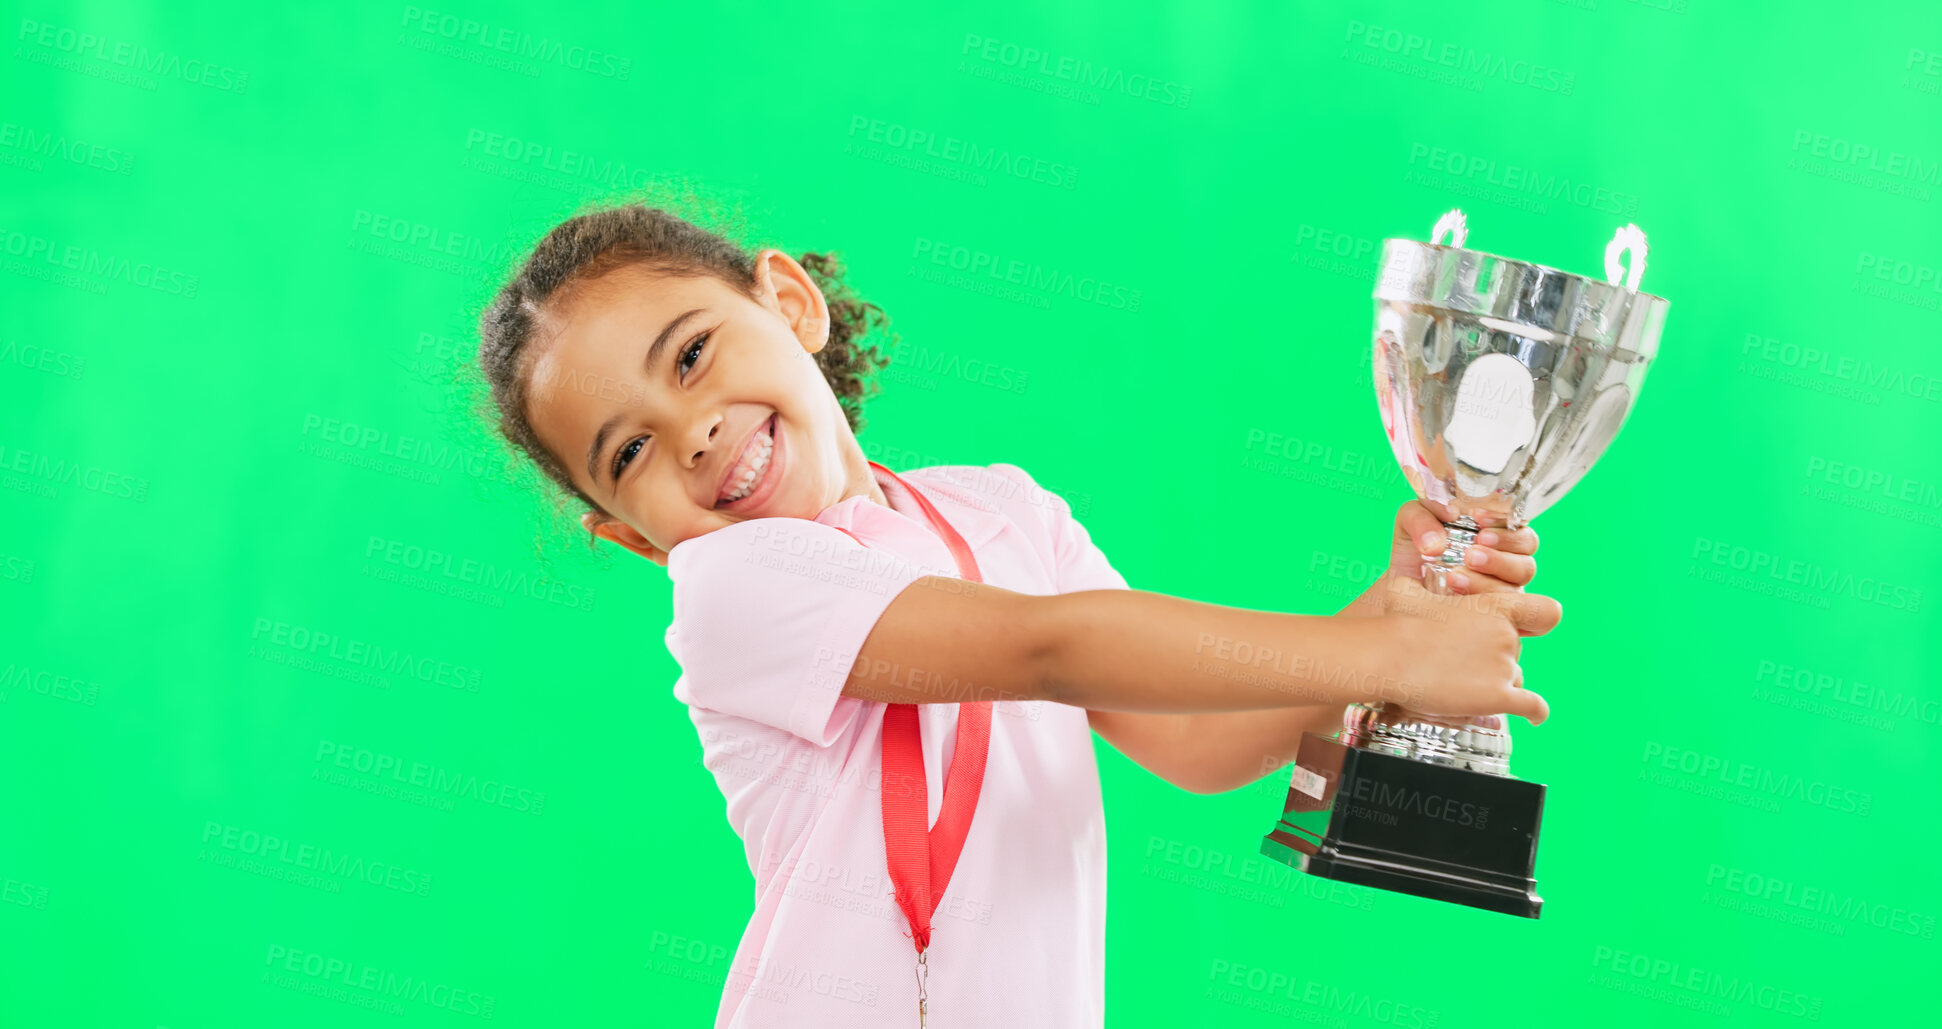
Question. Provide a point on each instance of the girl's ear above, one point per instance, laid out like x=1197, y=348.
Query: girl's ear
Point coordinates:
x=624, y=535
x=786, y=284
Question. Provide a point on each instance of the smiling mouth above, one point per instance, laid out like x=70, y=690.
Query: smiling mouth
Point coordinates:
x=750, y=466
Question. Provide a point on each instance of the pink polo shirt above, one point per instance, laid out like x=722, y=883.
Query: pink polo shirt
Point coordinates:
x=768, y=617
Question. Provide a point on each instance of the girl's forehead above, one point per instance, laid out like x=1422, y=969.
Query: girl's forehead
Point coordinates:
x=600, y=334
x=599, y=320
x=631, y=292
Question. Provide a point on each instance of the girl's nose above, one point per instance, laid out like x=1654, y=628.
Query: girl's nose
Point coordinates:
x=713, y=428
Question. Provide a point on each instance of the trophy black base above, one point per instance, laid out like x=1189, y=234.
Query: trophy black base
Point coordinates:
x=1375, y=819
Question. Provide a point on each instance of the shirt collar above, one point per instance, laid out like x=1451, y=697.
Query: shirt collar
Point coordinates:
x=903, y=525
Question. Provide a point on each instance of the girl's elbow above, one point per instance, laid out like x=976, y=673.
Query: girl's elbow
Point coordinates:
x=1046, y=651
x=1193, y=776
x=1204, y=784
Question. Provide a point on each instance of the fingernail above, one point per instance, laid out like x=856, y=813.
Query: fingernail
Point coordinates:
x=1475, y=557
x=1487, y=537
x=1459, y=580
x=1431, y=540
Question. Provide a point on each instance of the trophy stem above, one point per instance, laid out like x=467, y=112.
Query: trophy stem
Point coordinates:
x=1461, y=534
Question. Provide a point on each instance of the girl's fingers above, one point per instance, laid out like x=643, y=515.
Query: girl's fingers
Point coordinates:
x=1529, y=705
x=1510, y=541
x=1514, y=570
x=1415, y=523
x=1533, y=614
x=1470, y=582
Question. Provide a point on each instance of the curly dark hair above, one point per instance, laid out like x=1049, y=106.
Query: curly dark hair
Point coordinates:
x=598, y=241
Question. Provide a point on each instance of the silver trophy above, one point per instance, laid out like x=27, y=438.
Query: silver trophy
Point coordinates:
x=1500, y=383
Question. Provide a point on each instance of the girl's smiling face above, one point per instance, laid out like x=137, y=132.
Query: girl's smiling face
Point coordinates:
x=661, y=394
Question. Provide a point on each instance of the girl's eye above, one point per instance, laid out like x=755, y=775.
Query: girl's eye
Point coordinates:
x=626, y=453
x=689, y=355
x=695, y=348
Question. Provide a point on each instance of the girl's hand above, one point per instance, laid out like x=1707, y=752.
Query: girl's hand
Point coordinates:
x=1456, y=655
x=1500, y=559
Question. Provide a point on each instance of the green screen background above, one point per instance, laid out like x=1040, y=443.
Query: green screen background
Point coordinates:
x=230, y=423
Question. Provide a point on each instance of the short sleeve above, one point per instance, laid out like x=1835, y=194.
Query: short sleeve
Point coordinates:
x=769, y=615
x=1079, y=565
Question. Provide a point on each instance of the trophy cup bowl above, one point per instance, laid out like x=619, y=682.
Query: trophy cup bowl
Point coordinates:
x=1499, y=383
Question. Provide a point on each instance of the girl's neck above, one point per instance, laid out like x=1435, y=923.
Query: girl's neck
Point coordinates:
x=863, y=479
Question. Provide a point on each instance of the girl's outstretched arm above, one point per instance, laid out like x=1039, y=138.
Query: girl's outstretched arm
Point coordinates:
x=1132, y=650
x=1220, y=751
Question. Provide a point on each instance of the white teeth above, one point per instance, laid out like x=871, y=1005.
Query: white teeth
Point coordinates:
x=756, y=462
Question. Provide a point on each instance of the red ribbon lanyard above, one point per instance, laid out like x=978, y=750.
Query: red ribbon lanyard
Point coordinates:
x=921, y=862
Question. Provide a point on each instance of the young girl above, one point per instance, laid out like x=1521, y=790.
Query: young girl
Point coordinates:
x=895, y=675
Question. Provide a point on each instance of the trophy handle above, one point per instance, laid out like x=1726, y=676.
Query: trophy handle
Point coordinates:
x=1630, y=238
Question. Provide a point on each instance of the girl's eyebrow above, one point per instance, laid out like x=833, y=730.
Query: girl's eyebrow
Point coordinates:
x=647, y=367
